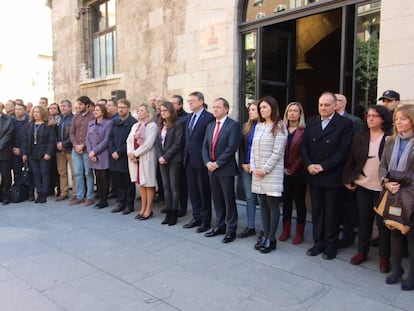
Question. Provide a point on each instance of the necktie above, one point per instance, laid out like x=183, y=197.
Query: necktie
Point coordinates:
x=192, y=122
x=213, y=144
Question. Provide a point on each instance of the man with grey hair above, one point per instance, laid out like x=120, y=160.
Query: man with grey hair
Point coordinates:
x=6, y=147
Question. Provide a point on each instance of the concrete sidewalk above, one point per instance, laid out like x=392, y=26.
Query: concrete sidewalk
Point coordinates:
x=59, y=257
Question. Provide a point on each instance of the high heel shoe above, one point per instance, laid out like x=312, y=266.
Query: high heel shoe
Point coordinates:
x=260, y=242
x=395, y=276
x=139, y=216
x=146, y=217
x=268, y=246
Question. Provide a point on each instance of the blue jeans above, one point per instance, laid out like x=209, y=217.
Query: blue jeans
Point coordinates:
x=251, y=199
x=82, y=171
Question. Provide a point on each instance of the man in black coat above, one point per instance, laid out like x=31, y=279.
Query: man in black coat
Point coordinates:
x=221, y=142
x=197, y=175
x=7, y=137
x=325, y=147
x=118, y=160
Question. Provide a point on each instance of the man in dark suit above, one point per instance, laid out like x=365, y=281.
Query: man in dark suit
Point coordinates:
x=325, y=147
x=349, y=214
x=197, y=175
x=220, y=144
x=7, y=136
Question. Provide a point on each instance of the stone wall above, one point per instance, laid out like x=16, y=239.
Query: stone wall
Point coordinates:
x=164, y=47
x=396, y=60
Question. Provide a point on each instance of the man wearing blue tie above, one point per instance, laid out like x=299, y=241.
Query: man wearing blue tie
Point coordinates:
x=197, y=176
x=221, y=142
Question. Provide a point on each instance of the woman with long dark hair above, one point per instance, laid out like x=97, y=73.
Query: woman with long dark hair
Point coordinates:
x=169, y=154
x=38, y=148
x=361, y=174
x=97, y=148
x=266, y=165
x=294, y=183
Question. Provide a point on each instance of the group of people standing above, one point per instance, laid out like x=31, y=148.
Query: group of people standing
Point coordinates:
x=346, y=164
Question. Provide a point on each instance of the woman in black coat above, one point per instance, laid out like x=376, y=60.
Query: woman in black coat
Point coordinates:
x=361, y=174
x=38, y=148
x=169, y=145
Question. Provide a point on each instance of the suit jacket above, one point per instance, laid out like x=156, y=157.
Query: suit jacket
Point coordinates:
x=117, y=143
x=172, y=149
x=46, y=141
x=194, y=139
x=64, y=137
x=356, y=122
x=6, y=137
x=225, y=149
x=328, y=147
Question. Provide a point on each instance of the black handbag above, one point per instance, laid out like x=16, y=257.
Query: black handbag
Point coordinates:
x=25, y=177
x=19, y=193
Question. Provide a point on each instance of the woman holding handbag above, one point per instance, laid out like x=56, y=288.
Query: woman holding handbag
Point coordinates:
x=361, y=174
x=398, y=156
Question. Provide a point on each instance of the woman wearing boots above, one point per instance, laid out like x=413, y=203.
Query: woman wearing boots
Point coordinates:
x=361, y=174
x=266, y=165
x=97, y=139
x=38, y=148
x=398, y=156
x=169, y=145
x=244, y=160
x=294, y=184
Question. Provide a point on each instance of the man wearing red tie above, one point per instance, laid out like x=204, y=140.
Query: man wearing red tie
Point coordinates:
x=220, y=144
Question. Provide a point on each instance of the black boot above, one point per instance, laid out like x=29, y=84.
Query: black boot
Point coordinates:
x=173, y=218
x=167, y=217
x=396, y=274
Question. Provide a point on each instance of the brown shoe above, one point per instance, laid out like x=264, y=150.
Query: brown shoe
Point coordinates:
x=77, y=201
x=88, y=202
x=61, y=198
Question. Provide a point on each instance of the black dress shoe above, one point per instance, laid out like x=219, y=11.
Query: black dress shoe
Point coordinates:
x=203, y=228
x=246, y=233
x=329, y=255
x=229, y=237
x=193, y=223
x=128, y=210
x=314, y=251
x=261, y=239
x=215, y=231
x=101, y=205
x=6, y=202
x=118, y=209
x=268, y=246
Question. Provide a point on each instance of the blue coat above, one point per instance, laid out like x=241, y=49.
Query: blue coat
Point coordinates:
x=117, y=143
x=97, y=138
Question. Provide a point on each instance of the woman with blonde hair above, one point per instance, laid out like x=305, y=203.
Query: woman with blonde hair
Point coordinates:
x=294, y=183
x=142, y=160
x=38, y=148
x=397, y=171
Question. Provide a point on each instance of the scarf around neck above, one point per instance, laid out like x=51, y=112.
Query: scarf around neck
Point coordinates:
x=400, y=163
x=139, y=133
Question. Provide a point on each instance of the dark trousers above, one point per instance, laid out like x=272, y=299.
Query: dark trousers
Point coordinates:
x=159, y=183
x=270, y=212
x=224, y=199
x=171, y=183
x=367, y=199
x=5, y=172
x=349, y=213
x=294, y=190
x=102, y=184
x=325, y=216
x=54, y=181
x=182, y=187
x=398, y=247
x=17, y=169
x=199, y=193
x=124, y=187
x=40, y=170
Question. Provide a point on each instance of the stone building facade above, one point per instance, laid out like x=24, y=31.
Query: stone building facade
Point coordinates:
x=166, y=47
